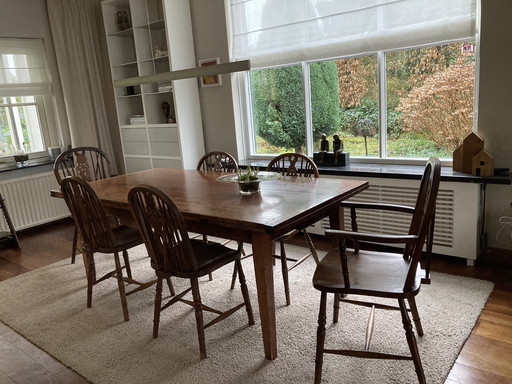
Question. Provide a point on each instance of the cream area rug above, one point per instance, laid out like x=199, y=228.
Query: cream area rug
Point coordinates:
x=48, y=307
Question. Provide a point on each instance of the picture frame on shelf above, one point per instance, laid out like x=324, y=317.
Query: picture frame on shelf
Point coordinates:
x=213, y=80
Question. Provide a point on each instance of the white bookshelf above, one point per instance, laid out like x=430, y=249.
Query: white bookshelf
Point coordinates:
x=156, y=39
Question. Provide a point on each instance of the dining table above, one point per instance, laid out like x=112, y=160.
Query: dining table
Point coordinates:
x=216, y=208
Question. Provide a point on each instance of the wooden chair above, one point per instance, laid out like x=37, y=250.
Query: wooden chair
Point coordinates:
x=296, y=165
x=98, y=235
x=380, y=274
x=217, y=161
x=173, y=253
x=86, y=163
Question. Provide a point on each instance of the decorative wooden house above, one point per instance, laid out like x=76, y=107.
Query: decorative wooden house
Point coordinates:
x=458, y=160
x=471, y=145
x=482, y=164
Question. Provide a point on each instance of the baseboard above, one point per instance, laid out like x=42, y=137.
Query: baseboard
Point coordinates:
x=497, y=255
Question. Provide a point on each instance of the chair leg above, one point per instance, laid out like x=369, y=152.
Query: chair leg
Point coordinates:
x=88, y=262
x=75, y=241
x=199, y=317
x=411, y=341
x=284, y=269
x=158, y=306
x=171, y=286
x=120, y=283
x=127, y=264
x=320, y=338
x=245, y=291
x=233, y=277
x=311, y=246
x=336, y=308
x=415, y=315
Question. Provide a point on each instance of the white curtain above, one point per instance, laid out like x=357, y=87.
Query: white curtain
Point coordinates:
x=82, y=56
x=271, y=32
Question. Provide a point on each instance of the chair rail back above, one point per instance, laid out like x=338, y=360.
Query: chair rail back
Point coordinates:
x=87, y=163
x=163, y=230
x=88, y=213
x=293, y=164
x=424, y=215
x=217, y=161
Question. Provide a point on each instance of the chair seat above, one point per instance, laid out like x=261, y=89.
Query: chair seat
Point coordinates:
x=209, y=257
x=371, y=273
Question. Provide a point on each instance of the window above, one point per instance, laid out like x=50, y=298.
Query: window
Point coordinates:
x=394, y=79
x=426, y=98
x=24, y=97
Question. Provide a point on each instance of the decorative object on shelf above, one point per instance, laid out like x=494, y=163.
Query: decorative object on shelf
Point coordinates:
x=164, y=86
x=126, y=20
x=211, y=80
x=166, y=109
x=324, y=147
x=337, y=158
x=137, y=119
x=482, y=164
x=21, y=159
x=471, y=157
x=159, y=52
x=119, y=19
x=249, y=179
x=122, y=20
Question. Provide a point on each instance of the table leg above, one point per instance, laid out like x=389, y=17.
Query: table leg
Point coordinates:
x=262, y=257
x=336, y=221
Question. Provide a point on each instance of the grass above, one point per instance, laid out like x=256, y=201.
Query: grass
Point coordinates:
x=406, y=146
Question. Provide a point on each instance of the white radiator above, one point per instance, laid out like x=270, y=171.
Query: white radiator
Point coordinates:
x=29, y=202
x=457, y=214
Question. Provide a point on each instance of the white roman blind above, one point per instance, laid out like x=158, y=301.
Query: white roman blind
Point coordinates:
x=22, y=67
x=272, y=32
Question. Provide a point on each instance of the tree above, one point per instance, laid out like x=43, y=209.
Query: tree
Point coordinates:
x=278, y=104
x=441, y=108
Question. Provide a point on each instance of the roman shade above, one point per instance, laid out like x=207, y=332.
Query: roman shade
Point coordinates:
x=22, y=67
x=273, y=32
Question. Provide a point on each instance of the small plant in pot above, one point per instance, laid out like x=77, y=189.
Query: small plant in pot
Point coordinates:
x=248, y=180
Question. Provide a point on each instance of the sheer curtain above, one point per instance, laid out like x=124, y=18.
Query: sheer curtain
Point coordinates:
x=271, y=32
x=81, y=56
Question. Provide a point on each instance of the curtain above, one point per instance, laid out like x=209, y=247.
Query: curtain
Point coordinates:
x=272, y=32
x=81, y=52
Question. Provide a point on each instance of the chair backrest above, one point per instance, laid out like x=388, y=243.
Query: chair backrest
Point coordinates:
x=217, y=162
x=89, y=215
x=163, y=229
x=423, y=216
x=86, y=163
x=293, y=164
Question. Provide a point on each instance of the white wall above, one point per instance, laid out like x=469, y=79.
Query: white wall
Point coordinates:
x=29, y=19
x=210, y=40
x=495, y=107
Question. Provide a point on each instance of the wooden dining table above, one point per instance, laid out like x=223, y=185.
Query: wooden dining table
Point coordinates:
x=218, y=209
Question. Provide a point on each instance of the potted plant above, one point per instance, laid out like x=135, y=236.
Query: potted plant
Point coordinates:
x=248, y=180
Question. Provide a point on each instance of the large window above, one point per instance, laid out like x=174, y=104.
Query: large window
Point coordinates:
x=425, y=106
x=394, y=79
x=24, y=93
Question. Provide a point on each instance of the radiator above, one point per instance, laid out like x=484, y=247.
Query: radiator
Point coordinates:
x=29, y=202
x=457, y=214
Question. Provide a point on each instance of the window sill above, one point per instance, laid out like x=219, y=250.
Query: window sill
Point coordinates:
x=395, y=171
x=31, y=163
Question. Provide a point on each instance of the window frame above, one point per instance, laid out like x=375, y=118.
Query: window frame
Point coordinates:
x=244, y=107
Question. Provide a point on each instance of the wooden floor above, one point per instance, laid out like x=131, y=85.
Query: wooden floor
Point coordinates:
x=485, y=358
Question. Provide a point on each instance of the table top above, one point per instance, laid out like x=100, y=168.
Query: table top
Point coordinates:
x=281, y=203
